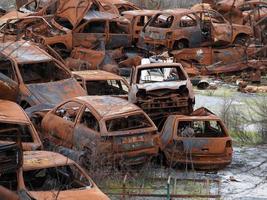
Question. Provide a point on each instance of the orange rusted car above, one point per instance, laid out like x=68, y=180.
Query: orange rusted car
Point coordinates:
x=181, y=28
x=161, y=89
x=14, y=124
x=199, y=140
x=98, y=82
x=105, y=129
x=138, y=19
x=30, y=76
x=49, y=175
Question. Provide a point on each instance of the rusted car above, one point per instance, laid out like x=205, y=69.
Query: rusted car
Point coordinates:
x=49, y=175
x=39, y=7
x=199, y=140
x=104, y=129
x=161, y=89
x=181, y=28
x=15, y=125
x=120, y=5
x=138, y=19
x=30, y=76
x=96, y=29
x=98, y=82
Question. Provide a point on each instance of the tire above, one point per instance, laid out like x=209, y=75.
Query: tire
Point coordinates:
x=181, y=44
x=242, y=40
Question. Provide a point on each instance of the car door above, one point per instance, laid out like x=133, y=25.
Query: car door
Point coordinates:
x=9, y=87
x=90, y=34
x=189, y=28
x=59, y=124
x=221, y=30
x=87, y=131
x=118, y=34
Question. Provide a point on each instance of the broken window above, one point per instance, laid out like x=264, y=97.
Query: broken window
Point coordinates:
x=211, y=128
x=63, y=22
x=161, y=74
x=118, y=27
x=10, y=132
x=68, y=111
x=95, y=27
x=106, y=87
x=188, y=21
x=9, y=181
x=89, y=120
x=162, y=21
x=6, y=69
x=129, y=122
x=142, y=20
x=55, y=178
x=42, y=72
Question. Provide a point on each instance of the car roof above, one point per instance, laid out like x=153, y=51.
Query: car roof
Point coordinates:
x=24, y=52
x=188, y=117
x=140, y=12
x=97, y=75
x=10, y=111
x=97, y=15
x=155, y=65
x=108, y=106
x=177, y=11
x=33, y=160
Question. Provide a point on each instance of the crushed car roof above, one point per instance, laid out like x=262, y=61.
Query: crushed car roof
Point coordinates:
x=97, y=75
x=140, y=12
x=24, y=52
x=177, y=11
x=155, y=65
x=10, y=111
x=107, y=106
x=33, y=160
x=92, y=15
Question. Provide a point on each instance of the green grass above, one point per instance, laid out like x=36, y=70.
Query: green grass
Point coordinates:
x=246, y=138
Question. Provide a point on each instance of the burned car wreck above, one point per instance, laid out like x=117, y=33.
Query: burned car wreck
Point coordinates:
x=15, y=125
x=161, y=89
x=30, y=76
x=98, y=82
x=199, y=140
x=45, y=175
x=102, y=129
x=181, y=28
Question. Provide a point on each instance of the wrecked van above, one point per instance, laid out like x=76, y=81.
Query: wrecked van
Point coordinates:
x=161, y=89
x=49, y=175
x=199, y=140
x=103, y=129
x=30, y=76
x=98, y=82
x=15, y=125
x=182, y=28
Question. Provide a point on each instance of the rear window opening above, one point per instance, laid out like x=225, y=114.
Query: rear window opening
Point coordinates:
x=106, y=87
x=56, y=178
x=162, y=21
x=160, y=74
x=42, y=73
x=10, y=132
x=126, y=123
x=210, y=128
x=64, y=22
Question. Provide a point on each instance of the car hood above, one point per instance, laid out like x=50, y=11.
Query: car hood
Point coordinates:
x=172, y=85
x=56, y=92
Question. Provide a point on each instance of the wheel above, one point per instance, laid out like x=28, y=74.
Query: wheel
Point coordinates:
x=181, y=44
x=242, y=40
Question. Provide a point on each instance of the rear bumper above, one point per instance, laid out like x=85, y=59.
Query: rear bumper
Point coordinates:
x=136, y=157
x=209, y=161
